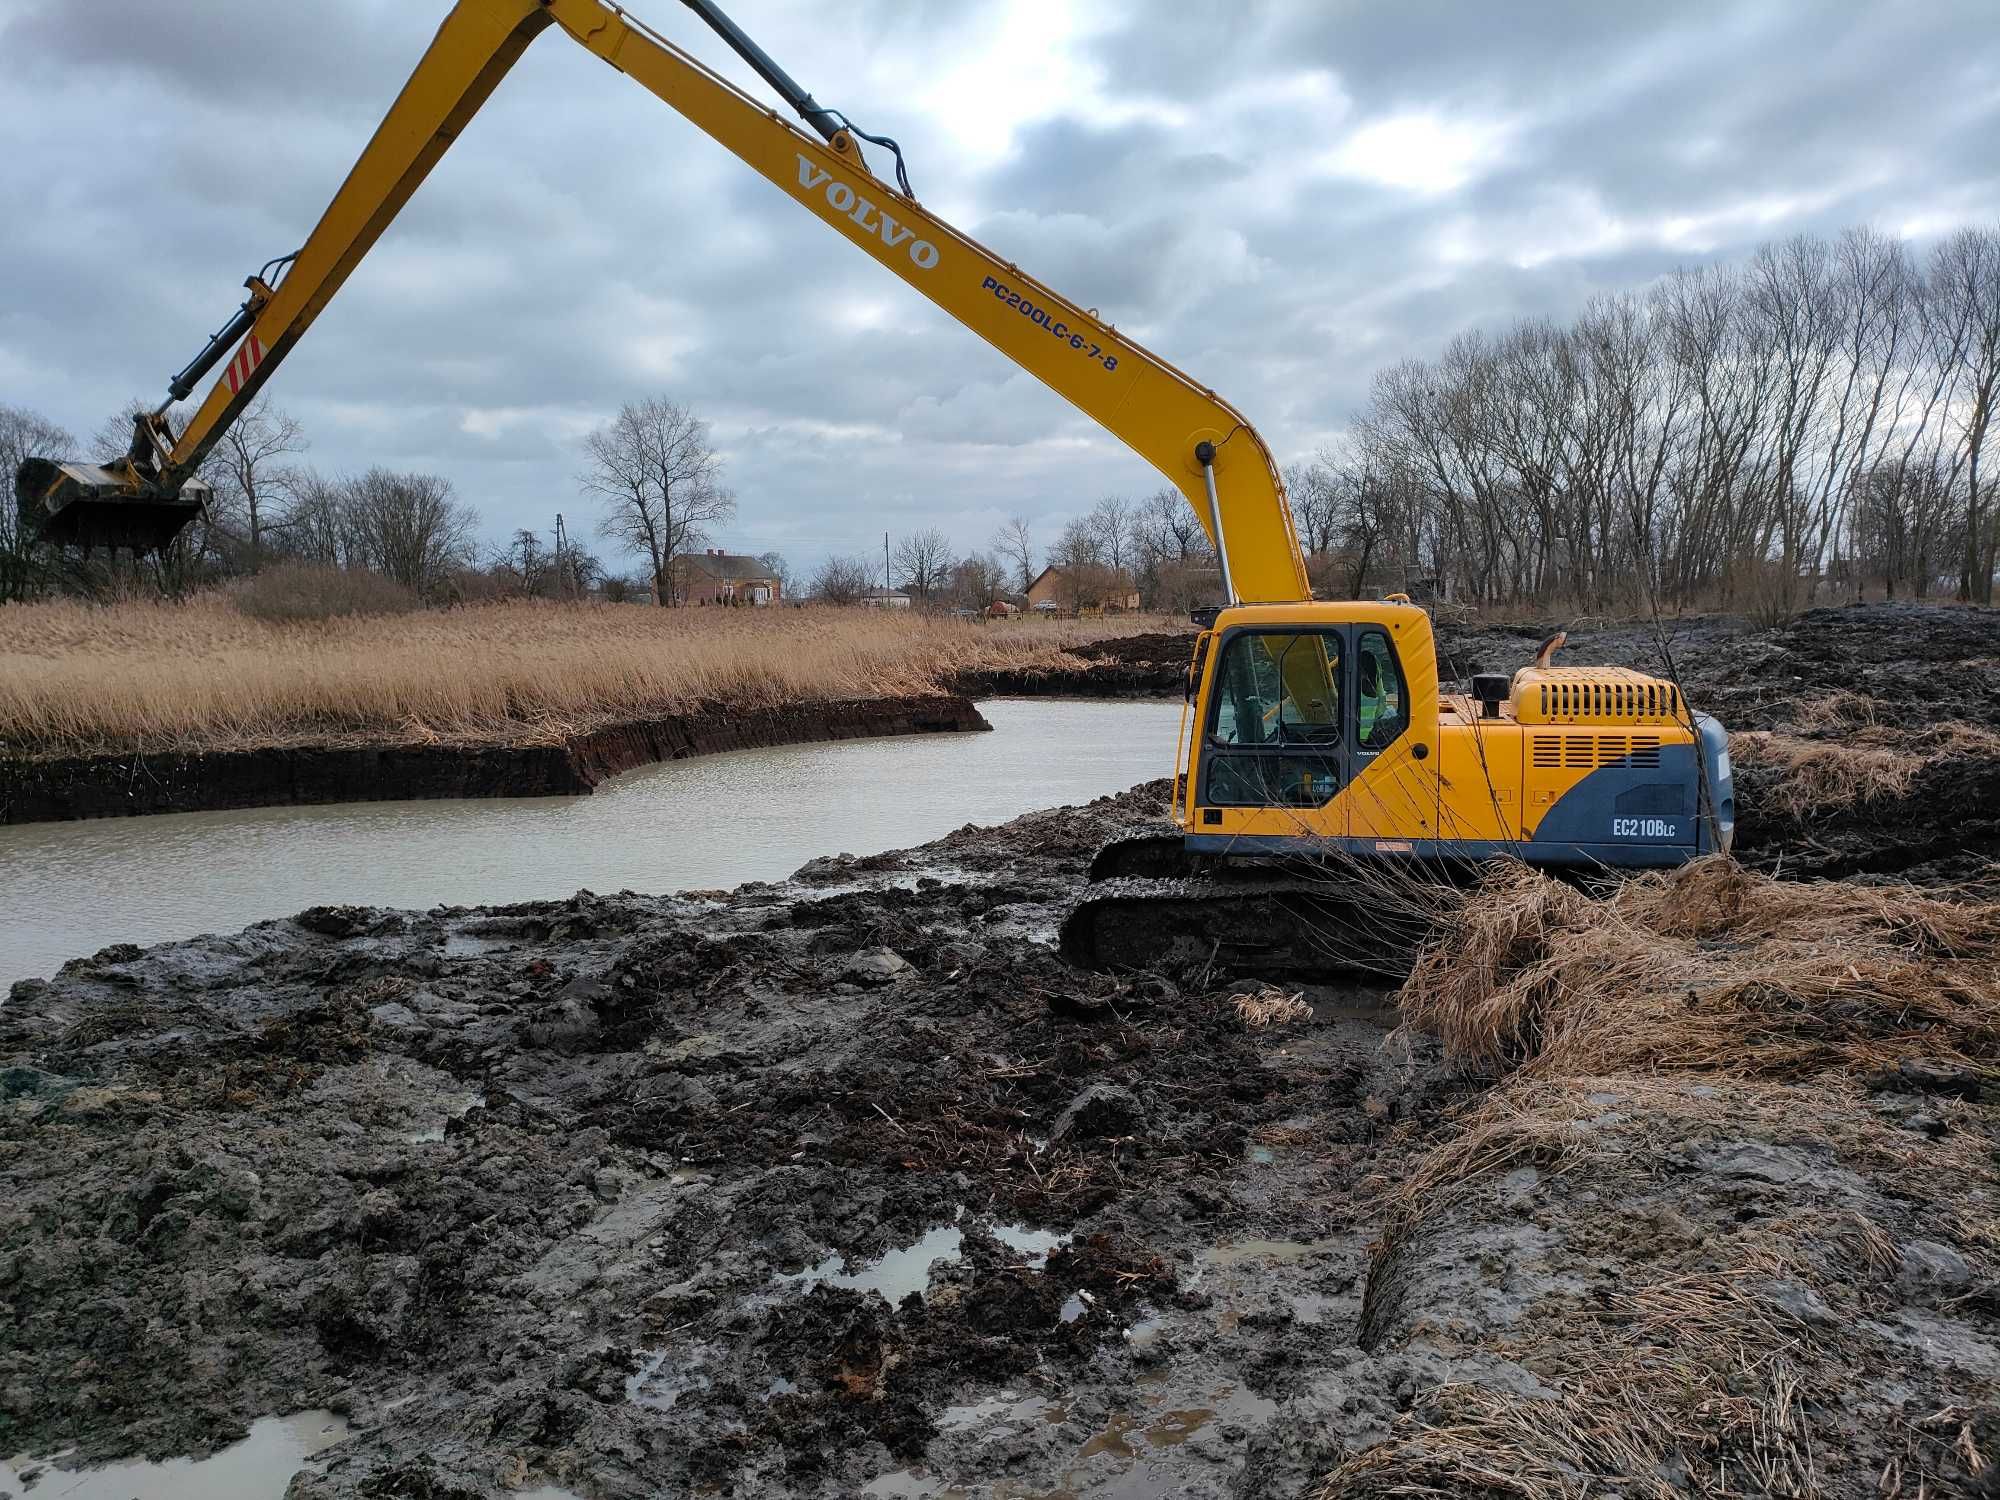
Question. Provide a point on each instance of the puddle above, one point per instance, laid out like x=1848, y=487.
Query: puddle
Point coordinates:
x=781, y=1387
x=895, y=1275
x=1074, y=1308
x=1008, y=1408
x=458, y=1112
x=1033, y=1243
x=1115, y=1439
x=1128, y=1436
x=1274, y=1252
x=1312, y=1307
x=658, y=1388
x=898, y=1273
x=913, y=1484
x=1146, y=1332
x=1262, y=1156
x=258, y=1468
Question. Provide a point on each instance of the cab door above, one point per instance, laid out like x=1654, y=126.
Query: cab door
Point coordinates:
x=1390, y=798
x=1274, y=748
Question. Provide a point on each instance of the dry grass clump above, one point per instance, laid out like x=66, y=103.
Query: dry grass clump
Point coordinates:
x=1261, y=1008
x=1820, y=775
x=1872, y=762
x=1697, y=1365
x=291, y=593
x=1841, y=709
x=1709, y=968
x=202, y=675
x=1683, y=1044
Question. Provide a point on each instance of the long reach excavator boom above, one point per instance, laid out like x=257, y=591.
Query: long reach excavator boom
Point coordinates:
x=1182, y=428
x=1315, y=731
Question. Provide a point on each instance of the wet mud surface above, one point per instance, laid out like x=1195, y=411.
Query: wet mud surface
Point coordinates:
x=849, y=1185
x=805, y=1189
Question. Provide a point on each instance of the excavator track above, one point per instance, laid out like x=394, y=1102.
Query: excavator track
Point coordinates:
x=1311, y=924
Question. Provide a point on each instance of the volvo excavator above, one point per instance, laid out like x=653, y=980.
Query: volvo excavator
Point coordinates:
x=1314, y=733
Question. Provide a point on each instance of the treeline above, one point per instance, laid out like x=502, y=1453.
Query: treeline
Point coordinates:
x=268, y=510
x=1808, y=425
x=1154, y=548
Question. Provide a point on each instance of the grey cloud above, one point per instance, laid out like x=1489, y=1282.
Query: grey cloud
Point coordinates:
x=581, y=245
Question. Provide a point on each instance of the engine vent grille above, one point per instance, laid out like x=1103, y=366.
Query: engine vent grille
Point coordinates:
x=1589, y=751
x=1627, y=700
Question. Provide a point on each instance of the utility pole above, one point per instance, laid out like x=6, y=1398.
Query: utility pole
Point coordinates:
x=885, y=569
x=562, y=548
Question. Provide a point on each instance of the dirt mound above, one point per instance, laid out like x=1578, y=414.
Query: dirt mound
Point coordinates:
x=1149, y=665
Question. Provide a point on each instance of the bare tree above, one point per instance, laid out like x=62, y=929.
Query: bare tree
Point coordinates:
x=842, y=580
x=923, y=562
x=317, y=522
x=1015, y=544
x=1079, y=546
x=408, y=526
x=24, y=434
x=530, y=563
x=1965, y=273
x=661, y=478
x=1111, y=523
x=977, y=581
x=1312, y=489
x=1170, y=531
x=249, y=461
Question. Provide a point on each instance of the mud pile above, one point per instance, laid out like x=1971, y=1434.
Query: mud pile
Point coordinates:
x=1151, y=665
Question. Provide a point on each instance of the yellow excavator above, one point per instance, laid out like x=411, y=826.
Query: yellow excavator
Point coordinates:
x=1313, y=730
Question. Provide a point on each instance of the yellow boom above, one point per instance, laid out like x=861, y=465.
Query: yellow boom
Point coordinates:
x=1168, y=418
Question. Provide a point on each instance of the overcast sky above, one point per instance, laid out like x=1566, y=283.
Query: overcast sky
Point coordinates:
x=1280, y=198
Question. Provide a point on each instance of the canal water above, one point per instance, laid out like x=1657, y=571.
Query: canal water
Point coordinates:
x=68, y=889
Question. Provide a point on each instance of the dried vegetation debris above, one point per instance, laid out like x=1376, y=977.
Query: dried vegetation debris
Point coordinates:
x=1730, y=1216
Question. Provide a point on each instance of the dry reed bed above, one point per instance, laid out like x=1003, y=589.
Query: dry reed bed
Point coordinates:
x=200, y=675
x=1678, y=1346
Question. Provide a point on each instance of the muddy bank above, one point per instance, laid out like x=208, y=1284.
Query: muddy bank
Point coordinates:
x=37, y=791
x=1153, y=665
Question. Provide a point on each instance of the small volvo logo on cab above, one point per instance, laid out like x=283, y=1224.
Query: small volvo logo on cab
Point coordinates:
x=868, y=215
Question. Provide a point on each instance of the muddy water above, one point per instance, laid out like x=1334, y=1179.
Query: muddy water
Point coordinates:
x=68, y=889
x=258, y=1468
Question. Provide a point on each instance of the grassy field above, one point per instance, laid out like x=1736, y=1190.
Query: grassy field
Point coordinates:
x=201, y=675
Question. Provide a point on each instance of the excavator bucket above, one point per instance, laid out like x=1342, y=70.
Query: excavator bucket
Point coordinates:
x=90, y=506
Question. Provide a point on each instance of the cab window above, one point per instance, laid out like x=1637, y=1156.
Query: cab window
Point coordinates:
x=1381, y=697
x=1278, y=690
x=1275, y=727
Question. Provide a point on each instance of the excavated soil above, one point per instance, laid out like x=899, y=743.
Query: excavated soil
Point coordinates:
x=850, y=1186
x=1152, y=665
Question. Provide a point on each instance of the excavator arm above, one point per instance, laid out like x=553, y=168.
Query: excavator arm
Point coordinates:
x=1197, y=440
